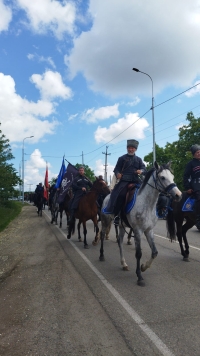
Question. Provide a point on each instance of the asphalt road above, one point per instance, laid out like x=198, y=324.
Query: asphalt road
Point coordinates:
x=161, y=318
x=70, y=303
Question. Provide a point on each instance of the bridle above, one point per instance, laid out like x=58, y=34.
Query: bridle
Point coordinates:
x=159, y=185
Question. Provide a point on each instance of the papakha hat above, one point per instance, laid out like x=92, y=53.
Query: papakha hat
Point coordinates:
x=132, y=143
x=194, y=148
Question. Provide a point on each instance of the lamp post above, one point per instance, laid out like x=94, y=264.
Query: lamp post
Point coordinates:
x=23, y=167
x=152, y=108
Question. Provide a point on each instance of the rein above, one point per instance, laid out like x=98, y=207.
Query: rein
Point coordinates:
x=165, y=191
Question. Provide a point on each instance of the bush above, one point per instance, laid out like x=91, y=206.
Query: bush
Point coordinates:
x=8, y=211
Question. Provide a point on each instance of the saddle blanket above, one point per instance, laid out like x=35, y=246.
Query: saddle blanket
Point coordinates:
x=128, y=207
x=188, y=205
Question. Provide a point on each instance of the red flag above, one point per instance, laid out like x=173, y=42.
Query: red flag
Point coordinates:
x=46, y=184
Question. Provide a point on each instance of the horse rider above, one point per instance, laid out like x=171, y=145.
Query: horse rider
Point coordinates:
x=80, y=185
x=52, y=191
x=39, y=189
x=191, y=179
x=127, y=170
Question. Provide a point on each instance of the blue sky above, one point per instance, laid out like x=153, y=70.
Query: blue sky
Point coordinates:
x=66, y=78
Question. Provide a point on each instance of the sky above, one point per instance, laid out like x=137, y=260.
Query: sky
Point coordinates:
x=66, y=78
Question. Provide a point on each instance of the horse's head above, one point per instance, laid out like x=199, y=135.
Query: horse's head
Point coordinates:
x=101, y=187
x=164, y=180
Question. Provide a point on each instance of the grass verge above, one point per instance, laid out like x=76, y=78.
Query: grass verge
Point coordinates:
x=8, y=211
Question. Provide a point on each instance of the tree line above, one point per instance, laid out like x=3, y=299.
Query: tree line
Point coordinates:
x=178, y=152
x=8, y=175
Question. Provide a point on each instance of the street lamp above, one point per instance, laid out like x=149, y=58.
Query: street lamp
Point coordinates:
x=23, y=167
x=152, y=108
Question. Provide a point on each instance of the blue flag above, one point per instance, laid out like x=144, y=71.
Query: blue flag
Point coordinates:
x=61, y=174
x=70, y=174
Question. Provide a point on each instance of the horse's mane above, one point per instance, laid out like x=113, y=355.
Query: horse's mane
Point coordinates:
x=149, y=173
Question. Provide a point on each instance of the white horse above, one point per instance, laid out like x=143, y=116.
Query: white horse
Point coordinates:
x=142, y=218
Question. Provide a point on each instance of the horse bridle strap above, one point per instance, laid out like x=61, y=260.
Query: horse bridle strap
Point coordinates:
x=165, y=190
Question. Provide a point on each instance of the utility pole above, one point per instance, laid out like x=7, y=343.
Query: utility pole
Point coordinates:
x=106, y=154
x=82, y=159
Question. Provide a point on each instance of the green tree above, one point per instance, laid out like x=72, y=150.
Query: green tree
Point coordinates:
x=88, y=172
x=178, y=152
x=8, y=175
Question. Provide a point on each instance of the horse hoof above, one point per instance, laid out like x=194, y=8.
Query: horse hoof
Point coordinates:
x=141, y=283
x=94, y=243
x=68, y=237
x=186, y=259
x=86, y=247
x=125, y=268
x=129, y=243
x=80, y=240
x=101, y=258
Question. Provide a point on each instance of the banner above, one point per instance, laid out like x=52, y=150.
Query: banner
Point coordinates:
x=70, y=174
x=61, y=174
x=46, y=184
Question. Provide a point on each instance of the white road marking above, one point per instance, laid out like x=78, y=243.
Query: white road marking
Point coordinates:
x=138, y=320
x=166, y=238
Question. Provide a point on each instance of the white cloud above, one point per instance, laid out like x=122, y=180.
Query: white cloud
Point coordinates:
x=193, y=91
x=20, y=117
x=138, y=34
x=48, y=60
x=103, y=134
x=72, y=117
x=50, y=15
x=134, y=102
x=34, y=170
x=6, y=16
x=103, y=113
x=50, y=85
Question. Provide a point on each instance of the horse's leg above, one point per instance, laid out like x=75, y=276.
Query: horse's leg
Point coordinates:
x=121, y=251
x=61, y=215
x=108, y=231
x=150, y=238
x=180, y=238
x=79, y=228
x=188, y=225
x=85, y=234
x=138, y=255
x=116, y=233
x=129, y=237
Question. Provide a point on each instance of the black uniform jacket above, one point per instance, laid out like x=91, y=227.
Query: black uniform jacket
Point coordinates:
x=78, y=183
x=191, y=178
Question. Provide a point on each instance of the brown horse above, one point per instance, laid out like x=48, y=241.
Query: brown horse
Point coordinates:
x=175, y=226
x=88, y=209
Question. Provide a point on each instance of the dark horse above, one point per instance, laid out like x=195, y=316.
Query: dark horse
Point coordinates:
x=88, y=209
x=39, y=202
x=175, y=226
x=64, y=206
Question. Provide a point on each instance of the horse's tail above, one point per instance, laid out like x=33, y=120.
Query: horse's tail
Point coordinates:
x=171, y=226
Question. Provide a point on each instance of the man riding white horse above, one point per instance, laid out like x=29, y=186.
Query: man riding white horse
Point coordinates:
x=127, y=169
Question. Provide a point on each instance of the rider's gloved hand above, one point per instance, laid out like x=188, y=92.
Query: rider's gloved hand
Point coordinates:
x=189, y=191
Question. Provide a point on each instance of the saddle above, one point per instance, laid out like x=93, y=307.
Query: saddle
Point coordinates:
x=130, y=193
